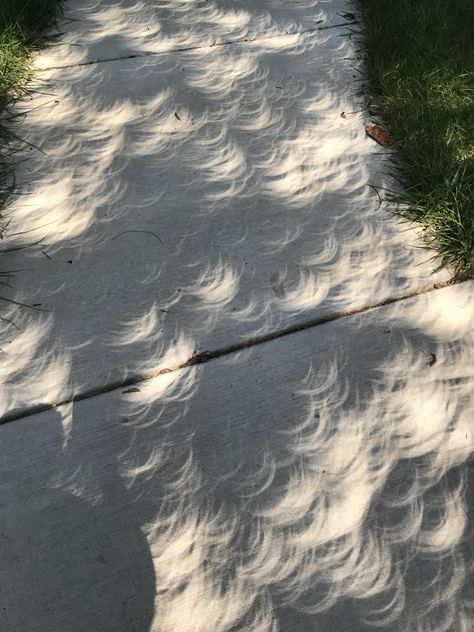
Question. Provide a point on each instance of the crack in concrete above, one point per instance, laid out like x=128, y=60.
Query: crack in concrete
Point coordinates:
x=208, y=355
x=185, y=49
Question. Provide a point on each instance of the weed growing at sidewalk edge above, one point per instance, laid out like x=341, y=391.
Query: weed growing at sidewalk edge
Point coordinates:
x=419, y=64
x=25, y=26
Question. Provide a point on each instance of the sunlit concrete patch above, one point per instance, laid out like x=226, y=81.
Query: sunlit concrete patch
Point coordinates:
x=322, y=481
x=192, y=201
x=96, y=30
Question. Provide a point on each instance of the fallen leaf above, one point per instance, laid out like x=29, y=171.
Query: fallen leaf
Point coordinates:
x=132, y=390
x=343, y=115
x=177, y=116
x=433, y=360
x=379, y=134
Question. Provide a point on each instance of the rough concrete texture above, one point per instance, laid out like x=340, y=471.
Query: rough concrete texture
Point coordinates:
x=105, y=29
x=191, y=201
x=315, y=482
x=207, y=185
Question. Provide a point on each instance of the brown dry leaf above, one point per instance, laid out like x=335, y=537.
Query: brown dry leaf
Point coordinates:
x=441, y=284
x=379, y=134
x=343, y=115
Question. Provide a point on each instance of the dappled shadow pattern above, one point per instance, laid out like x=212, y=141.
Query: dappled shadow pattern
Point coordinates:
x=104, y=29
x=319, y=481
x=316, y=482
x=207, y=197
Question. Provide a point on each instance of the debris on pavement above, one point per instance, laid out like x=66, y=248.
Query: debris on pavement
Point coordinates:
x=379, y=134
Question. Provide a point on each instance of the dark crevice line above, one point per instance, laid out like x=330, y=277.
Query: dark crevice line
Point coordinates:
x=207, y=356
x=185, y=49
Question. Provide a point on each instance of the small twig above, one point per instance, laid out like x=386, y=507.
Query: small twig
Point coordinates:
x=10, y=300
x=381, y=200
x=148, y=232
x=27, y=143
x=10, y=322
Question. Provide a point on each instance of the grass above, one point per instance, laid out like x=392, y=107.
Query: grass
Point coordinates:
x=419, y=60
x=23, y=28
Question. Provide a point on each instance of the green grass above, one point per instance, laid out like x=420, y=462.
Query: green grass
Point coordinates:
x=23, y=24
x=419, y=60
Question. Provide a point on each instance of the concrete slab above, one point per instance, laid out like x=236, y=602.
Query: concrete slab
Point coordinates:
x=107, y=29
x=190, y=202
x=317, y=482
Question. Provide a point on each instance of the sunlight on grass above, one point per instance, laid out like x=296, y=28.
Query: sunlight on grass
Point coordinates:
x=420, y=64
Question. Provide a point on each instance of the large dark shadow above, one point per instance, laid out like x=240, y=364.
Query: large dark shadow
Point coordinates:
x=68, y=562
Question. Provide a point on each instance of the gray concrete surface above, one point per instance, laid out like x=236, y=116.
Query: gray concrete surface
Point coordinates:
x=315, y=482
x=199, y=180
x=194, y=200
x=106, y=29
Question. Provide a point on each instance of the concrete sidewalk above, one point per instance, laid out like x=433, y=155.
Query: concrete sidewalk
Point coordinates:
x=203, y=194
